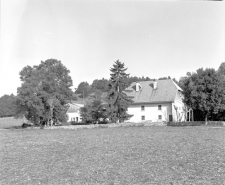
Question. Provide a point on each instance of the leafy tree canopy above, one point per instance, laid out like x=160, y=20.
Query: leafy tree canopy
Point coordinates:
x=100, y=85
x=221, y=71
x=7, y=105
x=131, y=79
x=203, y=92
x=94, y=112
x=84, y=89
x=44, y=92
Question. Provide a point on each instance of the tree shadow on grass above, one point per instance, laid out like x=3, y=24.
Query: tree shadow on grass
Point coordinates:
x=23, y=126
x=13, y=127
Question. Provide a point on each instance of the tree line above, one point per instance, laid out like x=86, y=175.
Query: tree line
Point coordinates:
x=84, y=89
x=7, y=105
x=46, y=91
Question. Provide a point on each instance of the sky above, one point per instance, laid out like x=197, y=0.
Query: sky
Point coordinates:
x=152, y=38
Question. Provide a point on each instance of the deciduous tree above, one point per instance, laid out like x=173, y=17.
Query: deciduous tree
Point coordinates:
x=94, y=112
x=100, y=85
x=44, y=92
x=7, y=105
x=84, y=89
x=204, y=93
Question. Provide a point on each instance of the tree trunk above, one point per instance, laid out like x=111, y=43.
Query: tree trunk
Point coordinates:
x=206, y=122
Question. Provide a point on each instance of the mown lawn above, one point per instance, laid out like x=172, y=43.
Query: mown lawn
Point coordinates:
x=10, y=122
x=126, y=155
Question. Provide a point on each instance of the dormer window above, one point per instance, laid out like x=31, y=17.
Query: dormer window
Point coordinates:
x=155, y=85
x=138, y=87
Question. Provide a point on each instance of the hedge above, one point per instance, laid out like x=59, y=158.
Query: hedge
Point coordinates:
x=197, y=123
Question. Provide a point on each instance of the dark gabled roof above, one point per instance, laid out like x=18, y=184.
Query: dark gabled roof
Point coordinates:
x=165, y=92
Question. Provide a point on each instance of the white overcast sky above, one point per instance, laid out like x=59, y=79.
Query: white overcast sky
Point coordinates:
x=152, y=38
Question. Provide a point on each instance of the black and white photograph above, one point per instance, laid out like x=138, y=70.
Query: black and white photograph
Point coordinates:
x=115, y=92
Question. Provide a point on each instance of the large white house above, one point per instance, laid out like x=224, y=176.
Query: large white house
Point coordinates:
x=155, y=101
x=73, y=112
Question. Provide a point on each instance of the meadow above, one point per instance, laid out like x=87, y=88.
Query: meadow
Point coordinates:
x=122, y=155
x=10, y=122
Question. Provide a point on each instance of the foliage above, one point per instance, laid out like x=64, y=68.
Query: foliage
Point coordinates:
x=103, y=83
x=164, y=78
x=84, y=89
x=131, y=79
x=221, y=73
x=221, y=70
x=7, y=105
x=94, y=112
x=117, y=99
x=100, y=85
x=204, y=93
x=44, y=92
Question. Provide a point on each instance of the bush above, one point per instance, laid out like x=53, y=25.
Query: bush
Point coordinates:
x=196, y=123
x=25, y=125
x=216, y=123
x=78, y=123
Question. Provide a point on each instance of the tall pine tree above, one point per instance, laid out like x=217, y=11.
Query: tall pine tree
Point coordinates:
x=117, y=99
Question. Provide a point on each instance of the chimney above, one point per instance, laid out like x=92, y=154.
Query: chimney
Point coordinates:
x=155, y=85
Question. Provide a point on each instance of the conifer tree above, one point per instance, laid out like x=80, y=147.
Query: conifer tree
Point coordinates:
x=117, y=99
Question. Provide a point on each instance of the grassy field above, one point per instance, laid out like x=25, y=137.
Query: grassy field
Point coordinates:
x=126, y=155
x=10, y=122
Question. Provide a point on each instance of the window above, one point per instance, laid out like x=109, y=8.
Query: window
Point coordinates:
x=142, y=108
x=159, y=117
x=159, y=107
x=170, y=118
x=142, y=117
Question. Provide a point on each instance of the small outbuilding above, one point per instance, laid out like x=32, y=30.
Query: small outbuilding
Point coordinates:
x=73, y=112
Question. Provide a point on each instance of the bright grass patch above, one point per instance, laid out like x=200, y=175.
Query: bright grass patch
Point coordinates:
x=10, y=122
x=123, y=155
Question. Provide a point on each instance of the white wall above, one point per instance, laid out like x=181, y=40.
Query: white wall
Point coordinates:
x=178, y=115
x=73, y=116
x=151, y=112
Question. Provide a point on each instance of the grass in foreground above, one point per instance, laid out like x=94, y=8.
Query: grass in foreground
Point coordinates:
x=10, y=122
x=130, y=155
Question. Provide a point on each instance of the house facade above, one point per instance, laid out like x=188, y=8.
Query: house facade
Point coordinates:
x=73, y=112
x=155, y=101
